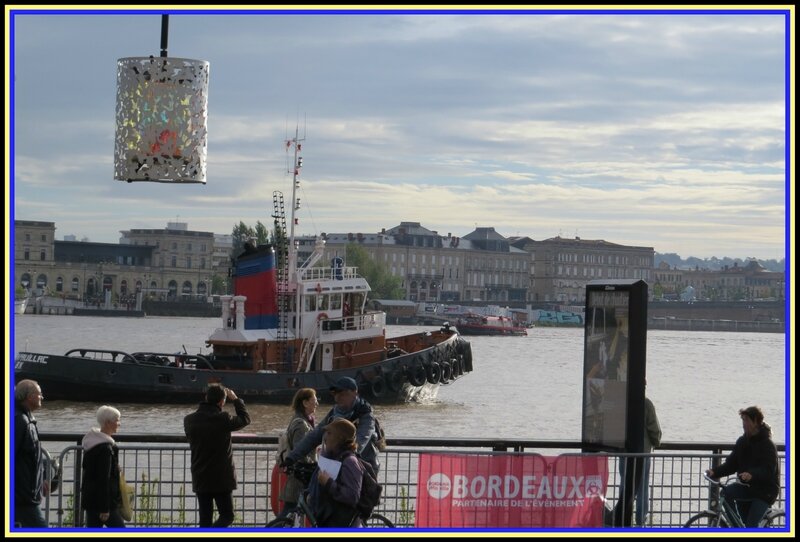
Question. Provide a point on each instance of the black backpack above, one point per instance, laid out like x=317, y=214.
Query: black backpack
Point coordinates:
x=371, y=490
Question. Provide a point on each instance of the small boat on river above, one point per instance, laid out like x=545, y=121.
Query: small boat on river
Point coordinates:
x=477, y=324
x=288, y=325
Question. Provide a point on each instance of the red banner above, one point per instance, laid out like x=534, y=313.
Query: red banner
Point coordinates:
x=509, y=490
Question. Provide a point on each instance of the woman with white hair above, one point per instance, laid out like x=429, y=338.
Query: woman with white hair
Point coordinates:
x=100, y=495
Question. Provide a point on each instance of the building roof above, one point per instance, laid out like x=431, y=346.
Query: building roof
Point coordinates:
x=484, y=234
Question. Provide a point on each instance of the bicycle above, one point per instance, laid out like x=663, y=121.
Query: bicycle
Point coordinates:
x=302, y=516
x=722, y=514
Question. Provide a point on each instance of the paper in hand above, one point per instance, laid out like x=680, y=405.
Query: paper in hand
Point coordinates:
x=330, y=466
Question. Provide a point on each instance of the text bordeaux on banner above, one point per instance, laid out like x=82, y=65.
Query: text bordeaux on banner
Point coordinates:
x=511, y=490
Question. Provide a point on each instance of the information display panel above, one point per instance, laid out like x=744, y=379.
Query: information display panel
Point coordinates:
x=614, y=365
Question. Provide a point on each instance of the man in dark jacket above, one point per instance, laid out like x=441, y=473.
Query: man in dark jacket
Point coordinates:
x=213, y=472
x=352, y=408
x=30, y=480
x=755, y=459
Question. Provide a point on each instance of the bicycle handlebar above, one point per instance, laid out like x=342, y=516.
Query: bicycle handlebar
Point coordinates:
x=719, y=482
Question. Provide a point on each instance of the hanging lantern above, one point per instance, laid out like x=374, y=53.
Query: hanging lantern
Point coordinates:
x=161, y=120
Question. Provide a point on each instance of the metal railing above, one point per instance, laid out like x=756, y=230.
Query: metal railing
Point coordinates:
x=158, y=466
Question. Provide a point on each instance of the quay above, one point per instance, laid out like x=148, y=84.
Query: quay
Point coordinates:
x=701, y=324
x=159, y=468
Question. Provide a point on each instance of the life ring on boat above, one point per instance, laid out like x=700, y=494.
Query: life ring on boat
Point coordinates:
x=417, y=376
x=377, y=387
x=322, y=316
x=347, y=349
x=447, y=372
x=319, y=288
x=396, y=379
x=434, y=373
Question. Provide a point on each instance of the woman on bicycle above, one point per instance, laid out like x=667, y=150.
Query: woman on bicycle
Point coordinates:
x=333, y=499
x=755, y=459
x=304, y=406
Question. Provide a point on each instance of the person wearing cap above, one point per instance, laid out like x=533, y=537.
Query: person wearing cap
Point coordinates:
x=351, y=407
x=208, y=431
x=333, y=499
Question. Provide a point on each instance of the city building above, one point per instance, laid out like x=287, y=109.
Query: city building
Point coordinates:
x=480, y=267
x=168, y=263
x=747, y=282
x=561, y=267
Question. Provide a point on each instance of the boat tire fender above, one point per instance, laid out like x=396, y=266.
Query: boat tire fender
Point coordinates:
x=396, y=379
x=417, y=376
x=377, y=387
x=447, y=372
x=434, y=373
x=455, y=363
x=467, y=360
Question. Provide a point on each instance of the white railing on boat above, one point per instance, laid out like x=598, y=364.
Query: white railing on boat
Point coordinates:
x=328, y=273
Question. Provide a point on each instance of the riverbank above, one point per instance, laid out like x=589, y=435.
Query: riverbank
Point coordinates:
x=671, y=323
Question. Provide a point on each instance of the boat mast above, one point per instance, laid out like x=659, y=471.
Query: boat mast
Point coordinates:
x=295, y=142
x=298, y=163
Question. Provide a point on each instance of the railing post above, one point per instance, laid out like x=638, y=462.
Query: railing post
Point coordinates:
x=77, y=516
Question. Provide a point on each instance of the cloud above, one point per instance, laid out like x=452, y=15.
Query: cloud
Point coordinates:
x=649, y=129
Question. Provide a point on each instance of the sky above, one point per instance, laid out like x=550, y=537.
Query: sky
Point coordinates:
x=652, y=129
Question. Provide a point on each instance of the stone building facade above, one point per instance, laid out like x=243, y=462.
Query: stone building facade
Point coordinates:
x=481, y=267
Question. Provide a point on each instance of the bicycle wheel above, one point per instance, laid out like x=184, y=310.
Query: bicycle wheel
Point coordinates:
x=775, y=519
x=706, y=519
x=281, y=523
x=377, y=521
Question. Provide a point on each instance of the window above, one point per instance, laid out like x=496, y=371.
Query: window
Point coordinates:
x=42, y=254
x=75, y=284
x=44, y=238
x=59, y=284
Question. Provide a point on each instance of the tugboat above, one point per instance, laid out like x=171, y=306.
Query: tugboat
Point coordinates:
x=289, y=325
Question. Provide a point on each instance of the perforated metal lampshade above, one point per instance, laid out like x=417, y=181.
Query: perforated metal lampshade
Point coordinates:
x=161, y=120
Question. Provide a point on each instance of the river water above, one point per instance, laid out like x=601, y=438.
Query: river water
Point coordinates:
x=521, y=387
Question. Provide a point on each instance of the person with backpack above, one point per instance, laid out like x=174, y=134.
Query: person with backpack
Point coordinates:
x=333, y=496
x=304, y=406
x=351, y=407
